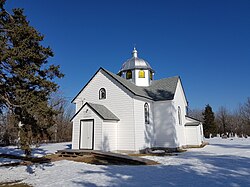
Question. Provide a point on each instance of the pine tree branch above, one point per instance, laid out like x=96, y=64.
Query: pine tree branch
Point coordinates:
x=6, y=30
x=7, y=101
x=4, y=11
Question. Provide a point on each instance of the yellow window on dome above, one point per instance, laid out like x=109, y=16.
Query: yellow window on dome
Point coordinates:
x=151, y=75
x=141, y=74
x=129, y=74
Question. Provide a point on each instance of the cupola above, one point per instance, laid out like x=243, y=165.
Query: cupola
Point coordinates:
x=137, y=70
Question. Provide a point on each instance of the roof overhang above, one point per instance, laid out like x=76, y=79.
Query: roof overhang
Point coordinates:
x=100, y=110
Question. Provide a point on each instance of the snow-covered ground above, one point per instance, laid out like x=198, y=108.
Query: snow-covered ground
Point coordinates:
x=224, y=162
x=44, y=149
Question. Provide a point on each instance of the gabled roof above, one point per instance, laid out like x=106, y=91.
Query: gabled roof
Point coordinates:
x=192, y=118
x=192, y=122
x=100, y=110
x=105, y=113
x=159, y=90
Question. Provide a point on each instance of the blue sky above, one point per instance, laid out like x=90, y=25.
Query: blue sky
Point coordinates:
x=205, y=42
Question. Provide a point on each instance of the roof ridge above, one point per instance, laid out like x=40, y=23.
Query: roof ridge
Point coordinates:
x=176, y=76
x=152, y=92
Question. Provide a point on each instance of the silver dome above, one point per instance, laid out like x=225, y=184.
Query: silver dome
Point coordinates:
x=135, y=63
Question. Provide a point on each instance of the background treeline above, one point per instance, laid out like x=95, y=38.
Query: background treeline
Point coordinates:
x=224, y=121
x=60, y=132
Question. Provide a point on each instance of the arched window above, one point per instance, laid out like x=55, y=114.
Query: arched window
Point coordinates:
x=129, y=74
x=179, y=115
x=141, y=74
x=151, y=75
x=102, y=93
x=146, y=113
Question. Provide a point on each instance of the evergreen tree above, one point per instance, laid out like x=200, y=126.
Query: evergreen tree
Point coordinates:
x=26, y=79
x=209, y=125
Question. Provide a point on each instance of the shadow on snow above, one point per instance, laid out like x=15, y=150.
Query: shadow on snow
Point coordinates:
x=214, y=171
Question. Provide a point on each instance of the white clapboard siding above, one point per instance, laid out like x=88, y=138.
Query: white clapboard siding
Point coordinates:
x=118, y=101
x=192, y=137
x=83, y=115
x=144, y=133
x=109, y=136
x=164, y=122
x=196, y=135
x=179, y=100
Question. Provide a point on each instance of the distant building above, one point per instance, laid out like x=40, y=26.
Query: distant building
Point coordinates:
x=132, y=111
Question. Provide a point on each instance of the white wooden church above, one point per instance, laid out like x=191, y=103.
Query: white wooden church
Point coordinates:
x=130, y=111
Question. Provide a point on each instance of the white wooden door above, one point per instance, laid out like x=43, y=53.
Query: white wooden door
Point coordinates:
x=86, y=137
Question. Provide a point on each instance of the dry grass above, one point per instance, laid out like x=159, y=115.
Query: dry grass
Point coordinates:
x=24, y=160
x=14, y=184
x=102, y=159
x=153, y=154
x=89, y=158
x=85, y=158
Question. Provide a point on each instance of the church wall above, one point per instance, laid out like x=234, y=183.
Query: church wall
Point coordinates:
x=179, y=100
x=83, y=115
x=109, y=136
x=191, y=135
x=117, y=101
x=196, y=136
x=144, y=133
x=164, y=123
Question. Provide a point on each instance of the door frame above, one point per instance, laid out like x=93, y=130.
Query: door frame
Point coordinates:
x=80, y=133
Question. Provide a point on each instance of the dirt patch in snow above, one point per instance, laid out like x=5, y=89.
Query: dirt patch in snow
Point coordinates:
x=91, y=159
x=24, y=160
x=14, y=184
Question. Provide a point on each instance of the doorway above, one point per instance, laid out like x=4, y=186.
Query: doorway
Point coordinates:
x=87, y=134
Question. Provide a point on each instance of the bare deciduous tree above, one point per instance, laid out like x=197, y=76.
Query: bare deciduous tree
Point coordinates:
x=245, y=116
x=62, y=129
x=223, y=120
x=196, y=113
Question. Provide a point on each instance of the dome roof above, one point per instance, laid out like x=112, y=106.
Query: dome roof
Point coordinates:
x=135, y=63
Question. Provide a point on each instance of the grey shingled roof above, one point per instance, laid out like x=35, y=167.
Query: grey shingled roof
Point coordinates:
x=192, y=123
x=105, y=113
x=100, y=110
x=159, y=90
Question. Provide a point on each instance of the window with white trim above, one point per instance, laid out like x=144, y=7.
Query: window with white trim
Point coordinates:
x=179, y=115
x=146, y=113
x=102, y=93
x=129, y=74
x=141, y=74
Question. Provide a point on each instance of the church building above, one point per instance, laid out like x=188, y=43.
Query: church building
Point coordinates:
x=130, y=111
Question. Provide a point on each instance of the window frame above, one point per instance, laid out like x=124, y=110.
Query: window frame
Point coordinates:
x=179, y=115
x=146, y=113
x=151, y=75
x=101, y=92
x=141, y=73
x=129, y=74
